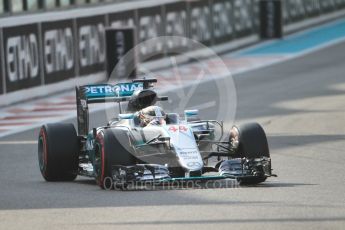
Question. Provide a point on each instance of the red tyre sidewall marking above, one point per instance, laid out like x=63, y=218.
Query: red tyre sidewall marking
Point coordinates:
x=45, y=154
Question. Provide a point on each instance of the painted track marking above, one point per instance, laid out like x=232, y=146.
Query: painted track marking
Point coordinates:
x=18, y=142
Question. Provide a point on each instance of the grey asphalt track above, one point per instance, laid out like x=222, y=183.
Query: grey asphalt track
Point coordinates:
x=301, y=105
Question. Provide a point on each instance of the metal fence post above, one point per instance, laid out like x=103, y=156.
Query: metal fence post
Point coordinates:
x=271, y=25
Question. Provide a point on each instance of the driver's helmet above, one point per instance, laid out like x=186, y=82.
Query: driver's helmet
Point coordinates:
x=152, y=115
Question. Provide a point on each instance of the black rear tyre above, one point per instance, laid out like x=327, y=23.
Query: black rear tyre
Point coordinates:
x=112, y=148
x=58, y=152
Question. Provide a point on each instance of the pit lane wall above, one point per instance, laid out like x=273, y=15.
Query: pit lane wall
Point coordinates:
x=48, y=52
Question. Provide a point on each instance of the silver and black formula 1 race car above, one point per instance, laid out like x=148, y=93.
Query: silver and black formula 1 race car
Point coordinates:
x=123, y=151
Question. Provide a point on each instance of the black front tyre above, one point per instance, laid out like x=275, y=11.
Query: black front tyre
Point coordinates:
x=58, y=152
x=252, y=144
x=252, y=141
x=251, y=181
x=112, y=147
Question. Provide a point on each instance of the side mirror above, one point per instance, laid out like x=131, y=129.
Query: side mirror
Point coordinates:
x=163, y=139
x=163, y=98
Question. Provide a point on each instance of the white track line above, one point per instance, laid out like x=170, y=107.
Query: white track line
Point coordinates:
x=18, y=142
